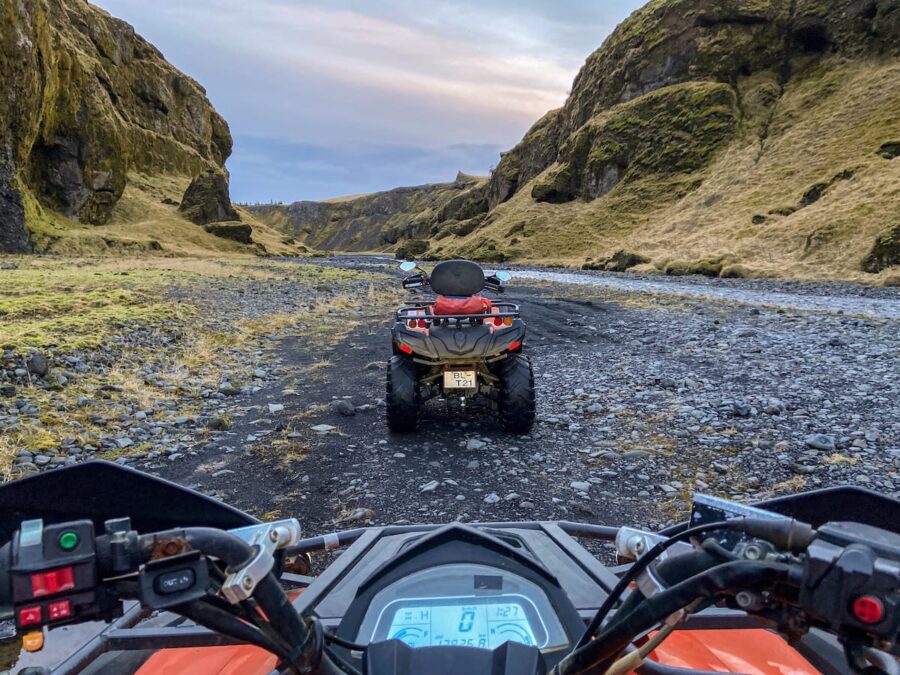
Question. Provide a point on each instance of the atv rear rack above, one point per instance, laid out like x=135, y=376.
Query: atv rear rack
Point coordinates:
x=507, y=309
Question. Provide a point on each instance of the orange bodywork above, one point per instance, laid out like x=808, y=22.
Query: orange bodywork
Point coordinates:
x=752, y=652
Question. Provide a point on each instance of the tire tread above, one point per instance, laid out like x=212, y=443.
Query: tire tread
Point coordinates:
x=403, y=397
x=516, y=402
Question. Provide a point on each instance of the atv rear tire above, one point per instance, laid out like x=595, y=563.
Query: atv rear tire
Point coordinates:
x=404, y=400
x=515, y=404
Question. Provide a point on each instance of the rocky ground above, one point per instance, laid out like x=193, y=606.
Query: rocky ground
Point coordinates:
x=645, y=395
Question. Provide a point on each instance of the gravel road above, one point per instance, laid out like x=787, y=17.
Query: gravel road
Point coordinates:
x=648, y=389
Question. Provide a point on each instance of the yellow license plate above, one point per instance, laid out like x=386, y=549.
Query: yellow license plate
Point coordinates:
x=459, y=379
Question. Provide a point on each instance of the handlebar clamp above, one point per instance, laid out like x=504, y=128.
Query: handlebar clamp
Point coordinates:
x=266, y=539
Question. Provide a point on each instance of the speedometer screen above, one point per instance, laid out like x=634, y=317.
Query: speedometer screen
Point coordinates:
x=462, y=622
x=462, y=605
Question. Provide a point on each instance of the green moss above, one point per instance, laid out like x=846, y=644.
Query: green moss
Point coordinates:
x=411, y=248
x=89, y=103
x=673, y=130
x=620, y=261
x=555, y=187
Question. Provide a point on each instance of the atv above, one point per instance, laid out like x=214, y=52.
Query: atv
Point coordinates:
x=458, y=346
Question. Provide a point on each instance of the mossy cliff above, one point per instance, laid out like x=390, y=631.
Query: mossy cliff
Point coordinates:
x=88, y=104
x=377, y=221
x=764, y=133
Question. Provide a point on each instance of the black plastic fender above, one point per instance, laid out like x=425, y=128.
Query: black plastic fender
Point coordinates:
x=450, y=342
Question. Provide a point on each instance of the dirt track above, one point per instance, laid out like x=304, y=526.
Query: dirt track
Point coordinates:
x=644, y=396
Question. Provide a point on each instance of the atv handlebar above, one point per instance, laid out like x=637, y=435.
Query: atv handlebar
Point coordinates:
x=492, y=283
x=843, y=578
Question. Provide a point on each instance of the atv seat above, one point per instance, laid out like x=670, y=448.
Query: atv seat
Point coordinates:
x=451, y=305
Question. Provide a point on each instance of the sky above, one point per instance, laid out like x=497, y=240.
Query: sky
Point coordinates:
x=336, y=97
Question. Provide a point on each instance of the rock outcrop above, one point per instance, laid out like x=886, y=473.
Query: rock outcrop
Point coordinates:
x=208, y=199
x=377, y=221
x=239, y=232
x=86, y=103
x=885, y=252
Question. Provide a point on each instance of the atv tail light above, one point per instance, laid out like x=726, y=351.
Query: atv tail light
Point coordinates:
x=423, y=323
x=411, y=323
x=507, y=321
x=406, y=349
x=514, y=346
x=498, y=321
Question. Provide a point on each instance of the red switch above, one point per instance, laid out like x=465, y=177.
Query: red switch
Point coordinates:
x=29, y=615
x=868, y=609
x=59, y=610
x=51, y=583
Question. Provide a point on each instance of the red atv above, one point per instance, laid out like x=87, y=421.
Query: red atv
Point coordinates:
x=191, y=585
x=457, y=346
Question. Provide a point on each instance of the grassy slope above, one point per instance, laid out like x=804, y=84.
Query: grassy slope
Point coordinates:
x=370, y=222
x=832, y=119
x=61, y=306
x=142, y=223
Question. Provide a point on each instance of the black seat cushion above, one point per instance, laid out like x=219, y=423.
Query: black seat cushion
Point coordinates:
x=457, y=277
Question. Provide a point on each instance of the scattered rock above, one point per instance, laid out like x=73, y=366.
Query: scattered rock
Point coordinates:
x=430, y=486
x=239, y=232
x=38, y=364
x=219, y=423
x=344, y=408
x=358, y=515
x=820, y=442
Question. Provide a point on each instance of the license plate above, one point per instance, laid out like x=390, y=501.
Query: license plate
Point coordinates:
x=459, y=379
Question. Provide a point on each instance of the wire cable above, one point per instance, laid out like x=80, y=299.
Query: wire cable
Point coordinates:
x=598, y=655
x=639, y=566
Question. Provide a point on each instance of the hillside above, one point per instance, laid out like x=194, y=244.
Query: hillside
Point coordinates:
x=377, y=221
x=99, y=136
x=742, y=137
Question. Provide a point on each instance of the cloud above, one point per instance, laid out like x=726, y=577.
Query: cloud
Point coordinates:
x=394, y=73
x=265, y=169
x=294, y=44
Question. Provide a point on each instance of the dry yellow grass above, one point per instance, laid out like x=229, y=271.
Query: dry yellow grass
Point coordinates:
x=830, y=120
x=7, y=456
x=143, y=224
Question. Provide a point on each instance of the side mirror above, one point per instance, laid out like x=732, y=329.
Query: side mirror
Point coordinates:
x=504, y=276
x=408, y=266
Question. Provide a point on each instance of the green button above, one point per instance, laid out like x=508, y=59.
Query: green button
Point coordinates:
x=68, y=540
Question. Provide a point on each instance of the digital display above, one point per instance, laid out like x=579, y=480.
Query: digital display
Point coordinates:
x=453, y=622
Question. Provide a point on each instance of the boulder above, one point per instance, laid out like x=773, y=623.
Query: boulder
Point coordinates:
x=620, y=261
x=239, y=232
x=207, y=199
x=38, y=364
x=885, y=252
